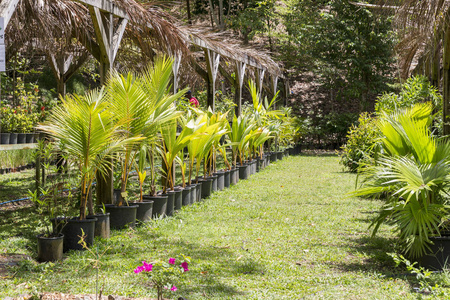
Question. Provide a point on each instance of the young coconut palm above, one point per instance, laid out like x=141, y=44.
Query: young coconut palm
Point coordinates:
x=413, y=172
x=83, y=125
x=146, y=103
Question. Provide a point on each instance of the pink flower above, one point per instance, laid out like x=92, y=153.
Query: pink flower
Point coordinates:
x=184, y=265
x=138, y=269
x=147, y=267
x=174, y=288
x=43, y=107
x=172, y=261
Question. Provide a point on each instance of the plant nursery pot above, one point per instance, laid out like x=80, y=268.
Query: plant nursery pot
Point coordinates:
x=72, y=231
x=291, y=151
x=220, y=180
x=2, y=171
x=206, y=187
x=439, y=255
x=21, y=138
x=198, y=192
x=178, y=201
x=254, y=163
x=102, y=225
x=273, y=156
x=227, y=179
x=243, y=172
x=121, y=216
x=286, y=152
x=193, y=193
x=159, y=205
x=280, y=155
x=186, y=195
x=214, y=183
x=50, y=248
x=144, y=210
x=234, y=176
x=13, y=138
x=29, y=138
x=170, y=202
x=4, y=138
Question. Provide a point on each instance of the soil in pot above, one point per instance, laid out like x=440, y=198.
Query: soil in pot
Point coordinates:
x=186, y=195
x=102, y=225
x=72, y=231
x=159, y=205
x=121, y=216
x=50, y=248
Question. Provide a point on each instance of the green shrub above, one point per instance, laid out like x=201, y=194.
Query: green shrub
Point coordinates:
x=361, y=139
x=415, y=90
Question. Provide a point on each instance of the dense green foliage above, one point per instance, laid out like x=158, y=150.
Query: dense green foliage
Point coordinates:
x=361, y=138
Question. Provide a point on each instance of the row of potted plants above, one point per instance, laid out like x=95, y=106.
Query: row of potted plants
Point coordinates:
x=133, y=121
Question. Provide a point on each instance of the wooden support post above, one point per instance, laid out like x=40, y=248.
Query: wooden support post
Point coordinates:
x=212, y=64
x=108, y=39
x=287, y=91
x=175, y=67
x=273, y=88
x=240, y=73
x=7, y=8
x=435, y=67
x=446, y=81
x=259, y=81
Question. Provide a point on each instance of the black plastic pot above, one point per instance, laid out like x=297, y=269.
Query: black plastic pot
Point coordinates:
x=72, y=231
x=186, y=195
x=50, y=248
x=193, y=193
x=102, y=225
x=4, y=138
x=266, y=160
x=144, y=210
x=198, y=192
x=21, y=138
x=280, y=155
x=273, y=156
x=170, y=202
x=439, y=255
x=220, y=180
x=214, y=183
x=234, y=176
x=243, y=172
x=178, y=200
x=121, y=216
x=206, y=187
x=259, y=164
x=13, y=138
x=159, y=205
x=29, y=139
x=227, y=179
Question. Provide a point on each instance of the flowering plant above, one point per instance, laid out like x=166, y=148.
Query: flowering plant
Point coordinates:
x=163, y=274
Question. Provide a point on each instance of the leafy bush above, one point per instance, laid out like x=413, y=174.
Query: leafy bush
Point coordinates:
x=415, y=90
x=361, y=139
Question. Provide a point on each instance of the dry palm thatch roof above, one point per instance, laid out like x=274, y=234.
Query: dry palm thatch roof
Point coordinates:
x=420, y=24
x=57, y=23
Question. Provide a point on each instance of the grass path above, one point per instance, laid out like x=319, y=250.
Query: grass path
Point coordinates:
x=288, y=232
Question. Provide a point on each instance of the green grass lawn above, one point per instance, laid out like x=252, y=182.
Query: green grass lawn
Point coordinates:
x=289, y=232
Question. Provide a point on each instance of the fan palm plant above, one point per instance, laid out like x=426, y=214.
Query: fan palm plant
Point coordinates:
x=82, y=124
x=413, y=171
